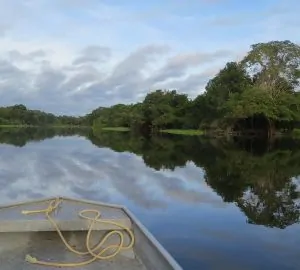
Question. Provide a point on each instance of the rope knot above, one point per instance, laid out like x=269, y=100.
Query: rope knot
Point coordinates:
x=30, y=259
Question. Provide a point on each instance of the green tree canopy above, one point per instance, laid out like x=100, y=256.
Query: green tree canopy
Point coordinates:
x=273, y=61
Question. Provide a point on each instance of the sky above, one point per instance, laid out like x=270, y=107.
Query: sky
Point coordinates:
x=72, y=56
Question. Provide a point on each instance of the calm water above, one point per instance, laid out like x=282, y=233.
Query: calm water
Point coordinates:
x=212, y=204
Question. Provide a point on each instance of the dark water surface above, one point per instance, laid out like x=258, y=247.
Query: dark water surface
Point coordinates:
x=212, y=204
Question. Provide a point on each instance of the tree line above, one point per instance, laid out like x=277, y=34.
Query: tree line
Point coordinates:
x=19, y=115
x=257, y=94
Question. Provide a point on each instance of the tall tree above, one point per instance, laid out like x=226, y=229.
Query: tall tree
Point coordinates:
x=230, y=80
x=164, y=109
x=274, y=65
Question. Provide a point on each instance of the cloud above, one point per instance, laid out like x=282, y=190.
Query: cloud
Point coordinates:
x=127, y=80
x=92, y=54
x=13, y=80
x=45, y=85
x=49, y=80
x=122, y=83
x=7, y=70
x=193, y=84
x=15, y=55
x=127, y=76
x=137, y=61
x=178, y=65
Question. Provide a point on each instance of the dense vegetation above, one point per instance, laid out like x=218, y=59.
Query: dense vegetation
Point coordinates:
x=258, y=94
x=19, y=115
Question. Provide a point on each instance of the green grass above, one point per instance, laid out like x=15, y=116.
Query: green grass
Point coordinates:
x=296, y=133
x=121, y=129
x=183, y=131
x=13, y=126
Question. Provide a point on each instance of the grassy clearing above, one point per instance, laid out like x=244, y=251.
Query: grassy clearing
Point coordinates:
x=296, y=133
x=14, y=126
x=121, y=129
x=191, y=132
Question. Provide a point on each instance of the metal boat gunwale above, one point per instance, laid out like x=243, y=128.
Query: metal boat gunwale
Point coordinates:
x=153, y=240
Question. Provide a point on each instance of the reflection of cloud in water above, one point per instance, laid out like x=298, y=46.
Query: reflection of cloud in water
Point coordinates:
x=74, y=167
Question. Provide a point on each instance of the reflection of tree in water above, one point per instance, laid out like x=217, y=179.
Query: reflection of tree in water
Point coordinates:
x=259, y=182
x=158, y=152
x=261, y=185
x=21, y=136
x=274, y=208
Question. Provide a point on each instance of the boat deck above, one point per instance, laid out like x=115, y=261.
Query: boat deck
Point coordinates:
x=47, y=246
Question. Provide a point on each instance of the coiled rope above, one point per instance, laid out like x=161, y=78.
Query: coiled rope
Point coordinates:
x=95, y=252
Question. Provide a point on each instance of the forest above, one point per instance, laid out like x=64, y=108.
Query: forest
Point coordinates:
x=257, y=95
x=19, y=115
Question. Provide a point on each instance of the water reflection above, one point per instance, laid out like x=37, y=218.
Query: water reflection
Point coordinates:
x=193, y=193
x=256, y=175
x=21, y=136
x=73, y=167
x=260, y=177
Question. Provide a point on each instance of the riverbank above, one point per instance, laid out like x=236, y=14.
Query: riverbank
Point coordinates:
x=15, y=126
x=120, y=129
x=46, y=126
x=191, y=132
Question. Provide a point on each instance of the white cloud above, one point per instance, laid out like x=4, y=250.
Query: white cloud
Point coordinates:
x=178, y=65
x=92, y=54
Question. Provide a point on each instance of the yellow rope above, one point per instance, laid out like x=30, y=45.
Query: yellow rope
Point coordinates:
x=94, y=252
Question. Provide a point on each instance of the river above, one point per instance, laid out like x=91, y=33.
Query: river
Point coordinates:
x=213, y=204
